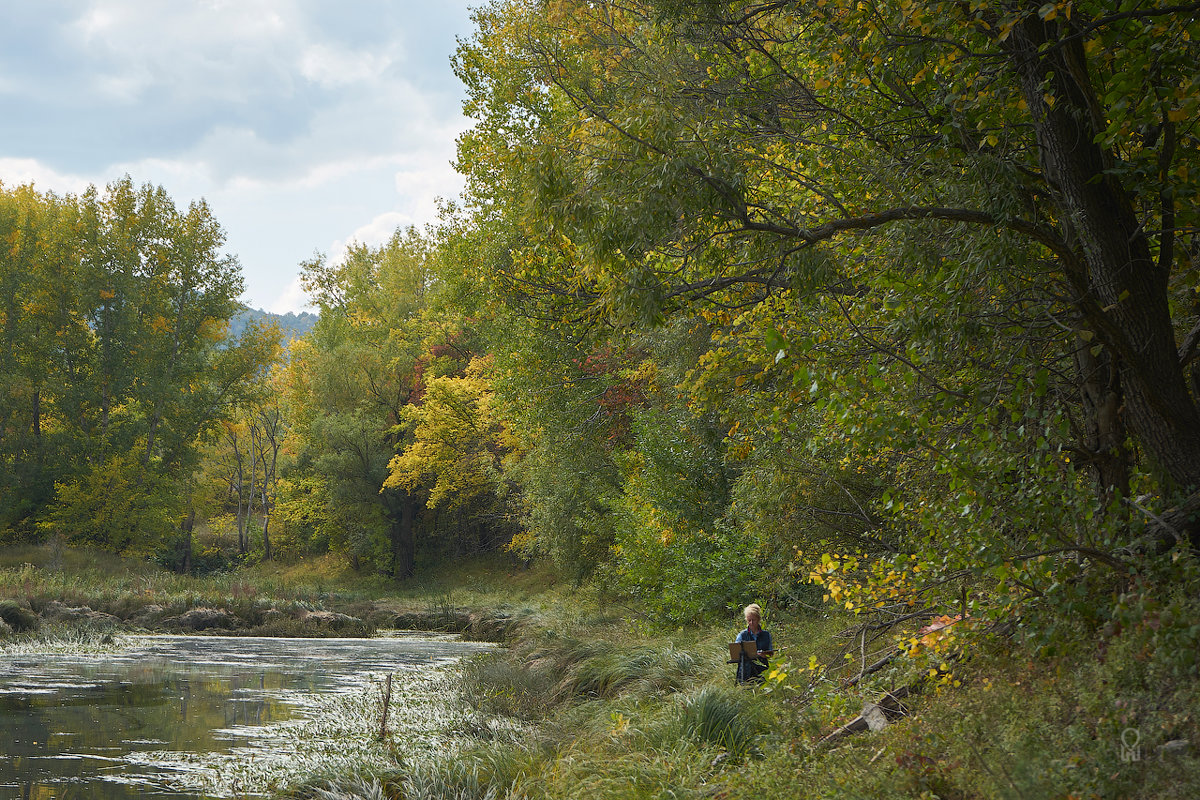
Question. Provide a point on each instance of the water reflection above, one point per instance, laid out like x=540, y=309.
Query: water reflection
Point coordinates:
x=186, y=717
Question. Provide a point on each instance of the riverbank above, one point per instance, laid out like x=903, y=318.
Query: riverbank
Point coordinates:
x=603, y=707
x=43, y=589
x=593, y=701
x=589, y=699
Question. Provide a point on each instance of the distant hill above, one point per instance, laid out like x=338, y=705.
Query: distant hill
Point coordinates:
x=292, y=324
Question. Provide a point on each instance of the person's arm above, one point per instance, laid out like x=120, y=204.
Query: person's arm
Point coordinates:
x=765, y=648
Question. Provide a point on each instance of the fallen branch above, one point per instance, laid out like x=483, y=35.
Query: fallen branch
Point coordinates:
x=387, y=701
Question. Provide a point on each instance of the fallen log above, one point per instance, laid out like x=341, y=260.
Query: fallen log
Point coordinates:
x=875, y=716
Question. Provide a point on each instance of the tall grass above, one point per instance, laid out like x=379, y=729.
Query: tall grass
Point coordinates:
x=530, y=680
x=723, y=718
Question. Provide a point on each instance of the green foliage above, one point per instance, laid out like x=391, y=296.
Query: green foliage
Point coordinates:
x=562, y=446
x=781, y=287
x=118, y=505
x=115, y=363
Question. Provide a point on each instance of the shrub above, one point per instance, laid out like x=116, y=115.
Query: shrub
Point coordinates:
x=18, y=617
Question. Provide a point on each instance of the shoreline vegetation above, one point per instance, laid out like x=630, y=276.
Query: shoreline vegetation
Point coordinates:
x=100, y=592
x=588, y=698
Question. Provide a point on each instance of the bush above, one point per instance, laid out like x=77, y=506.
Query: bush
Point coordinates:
x=18, y=617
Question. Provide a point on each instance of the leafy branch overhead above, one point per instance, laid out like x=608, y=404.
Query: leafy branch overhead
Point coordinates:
x=942, y=255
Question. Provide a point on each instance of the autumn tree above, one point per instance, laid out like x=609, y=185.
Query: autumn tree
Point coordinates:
x=117, y=342
x=43, y=346
x=946, y=251
x=359, y=384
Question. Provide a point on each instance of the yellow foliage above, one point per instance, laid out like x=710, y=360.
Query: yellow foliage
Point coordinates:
x=454, y=438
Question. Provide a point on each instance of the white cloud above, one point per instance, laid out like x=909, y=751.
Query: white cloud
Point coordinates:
x=372, y=234
x=128, y=48
x=334, y=67
x=422, y=188
x=20, y=171
x=302, y=123
x=293, y=298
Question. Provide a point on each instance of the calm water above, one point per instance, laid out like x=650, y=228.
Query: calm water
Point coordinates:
x=193, y=716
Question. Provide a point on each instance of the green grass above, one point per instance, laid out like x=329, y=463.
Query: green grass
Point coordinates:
x=591, y=700
x=605, y=713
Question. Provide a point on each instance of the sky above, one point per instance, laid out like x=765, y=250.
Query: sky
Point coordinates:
x=305, y=124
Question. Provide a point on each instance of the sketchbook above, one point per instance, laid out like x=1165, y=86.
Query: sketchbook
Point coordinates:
x=748, y=649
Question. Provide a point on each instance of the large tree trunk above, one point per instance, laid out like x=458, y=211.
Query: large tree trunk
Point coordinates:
x=403, y=535
x=1104, y=435
x=1123, y=294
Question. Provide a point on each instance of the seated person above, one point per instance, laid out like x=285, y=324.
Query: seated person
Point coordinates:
x=751, y=669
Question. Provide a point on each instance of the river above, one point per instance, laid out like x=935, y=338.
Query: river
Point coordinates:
x=202, y=716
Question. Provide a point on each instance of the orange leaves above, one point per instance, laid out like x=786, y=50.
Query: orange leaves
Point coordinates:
x=936, y=636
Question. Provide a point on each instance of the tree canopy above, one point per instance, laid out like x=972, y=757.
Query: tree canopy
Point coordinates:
x=943, y=254
x=115, y=363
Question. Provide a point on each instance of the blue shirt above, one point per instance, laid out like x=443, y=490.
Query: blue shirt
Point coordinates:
x=762, y=640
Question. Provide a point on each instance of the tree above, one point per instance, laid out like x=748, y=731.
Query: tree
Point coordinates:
x=241, y=464
x=42, y=344
x=370, y=357
x=680, y=153
x=117, y=351
x=267, y=433
x=943, y=255
x=454, y=440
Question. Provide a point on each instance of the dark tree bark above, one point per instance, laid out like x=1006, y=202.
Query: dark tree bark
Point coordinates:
x=403, y=534
x=1104, y=436
x=1122, y=291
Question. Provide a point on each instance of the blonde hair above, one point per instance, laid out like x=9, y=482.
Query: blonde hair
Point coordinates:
x=753, y=608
